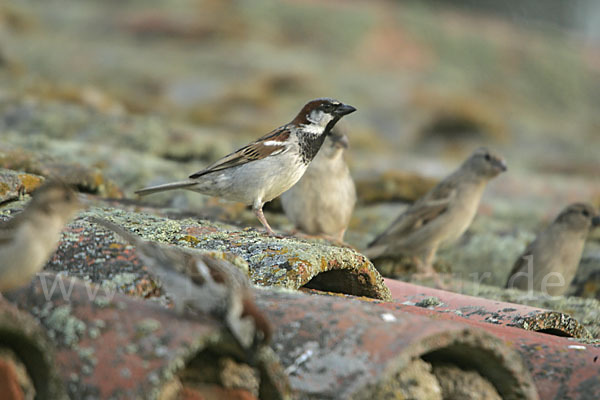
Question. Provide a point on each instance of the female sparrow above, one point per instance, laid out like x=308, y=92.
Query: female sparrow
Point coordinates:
x=441, y=216
x=555, y=253
x=321, y=202
x=29, y=238
x=262, y=170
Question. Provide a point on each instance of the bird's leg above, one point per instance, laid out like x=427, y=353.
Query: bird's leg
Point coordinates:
x=425, y=268
x=261, y=217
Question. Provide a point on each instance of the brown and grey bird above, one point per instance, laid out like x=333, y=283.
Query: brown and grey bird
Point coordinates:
x=29, y=238
x=262, y=170
x=550, y=262
x=441, y=216
x=198, y=283
x=322, y=201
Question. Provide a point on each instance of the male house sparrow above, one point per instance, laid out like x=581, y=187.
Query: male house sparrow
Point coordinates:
x=199, y=283
x=321, y=202
x=555, y=253
x=28, y=239
x=441, y=216
x=262, y=170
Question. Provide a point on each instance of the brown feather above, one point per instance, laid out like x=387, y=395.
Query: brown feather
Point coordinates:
x=421, y=213
x=252, y=152
x=521, y=262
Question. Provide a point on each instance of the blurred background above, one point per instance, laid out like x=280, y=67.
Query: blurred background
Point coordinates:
x=123, y=94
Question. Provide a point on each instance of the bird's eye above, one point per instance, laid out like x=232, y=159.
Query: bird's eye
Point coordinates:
x=585, y=213
x=488, y=157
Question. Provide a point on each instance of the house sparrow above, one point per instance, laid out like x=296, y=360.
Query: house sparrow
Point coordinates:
x=321, y=202
x=441, y=216
x=199, y=283
x=262, y=170
x=555, y=252
x=29, y=238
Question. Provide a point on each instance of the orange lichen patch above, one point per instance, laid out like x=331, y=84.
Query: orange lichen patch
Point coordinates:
x=30, y=182
x=144, y=288
x=323, y=264
x=298, y=261
x=14, y=183
x=4, y=188
x=283, y=250
x=190, y=239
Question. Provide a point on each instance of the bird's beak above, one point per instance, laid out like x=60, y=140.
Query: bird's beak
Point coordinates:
x=596, y=221
x=344, y=109
x=502, y=165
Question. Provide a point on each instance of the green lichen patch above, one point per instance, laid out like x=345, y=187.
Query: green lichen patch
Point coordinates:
x=289, y=262
x=64, y=326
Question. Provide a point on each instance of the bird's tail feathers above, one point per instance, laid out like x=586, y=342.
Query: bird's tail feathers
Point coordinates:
x=124, y=233
x=166, y=186
x=374, y=251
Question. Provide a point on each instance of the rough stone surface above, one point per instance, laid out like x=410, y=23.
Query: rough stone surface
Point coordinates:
x=416, y=382
x=393, y=186
x=83, y=100
x=26, y=340
x=115, y=346
x=341, y=347
x=457, y=384
x=87, y=179
x=585, y=311
x=14, y=184
x=91, y=253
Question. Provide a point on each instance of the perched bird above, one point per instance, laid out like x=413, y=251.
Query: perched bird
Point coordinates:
x=262, y=170
x=441, y=216
x=29, y=238
x=321, y=202
x=555, y=253
x=199, y=283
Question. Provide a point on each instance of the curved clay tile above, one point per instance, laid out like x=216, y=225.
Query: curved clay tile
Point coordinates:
x=561, y=367
x=115, y=346
x=334, y=347
x=27, y=340
x=492, y=311
x=286, y=262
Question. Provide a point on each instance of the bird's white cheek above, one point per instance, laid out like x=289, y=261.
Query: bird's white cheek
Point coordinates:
x=313, y=129
x=319, y=119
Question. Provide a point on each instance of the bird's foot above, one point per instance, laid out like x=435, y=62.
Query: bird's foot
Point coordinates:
x=430, y=273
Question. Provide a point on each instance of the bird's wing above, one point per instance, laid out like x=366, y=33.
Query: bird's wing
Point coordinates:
x=9, y=228
x=271, y=144
x=6, y=235
x=521, y=262
x=425, y=210
x=13, y=222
